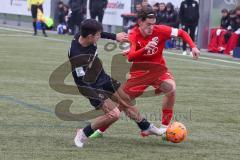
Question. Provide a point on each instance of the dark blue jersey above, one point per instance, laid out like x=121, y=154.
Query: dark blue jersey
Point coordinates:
x=87, y=56
x=88, y=74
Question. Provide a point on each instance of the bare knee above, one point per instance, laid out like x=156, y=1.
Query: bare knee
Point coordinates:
x=168, y=87
x=123, y=98
x=114, y=114
x=111, y=109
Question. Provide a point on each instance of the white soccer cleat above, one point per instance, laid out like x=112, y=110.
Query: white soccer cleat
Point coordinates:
x=163, y=129
x=80, y=138
x=153, y=130
x=191, y=54
x=184, y=53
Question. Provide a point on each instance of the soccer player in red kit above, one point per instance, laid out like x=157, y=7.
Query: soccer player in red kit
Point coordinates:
x=148, y=64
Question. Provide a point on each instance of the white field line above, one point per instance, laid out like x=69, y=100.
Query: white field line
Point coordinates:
x=207, y=58
x=23, y=31
x=16, y=35
x=15, y=30
x=200, y=62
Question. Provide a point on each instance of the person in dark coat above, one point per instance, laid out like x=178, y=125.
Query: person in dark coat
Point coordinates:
x=171, y=16
x=225, y=20
x=189, y=16
x=79, y=11
x=97, y=8
x=161, y=14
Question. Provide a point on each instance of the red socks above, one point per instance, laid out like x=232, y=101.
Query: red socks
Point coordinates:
x=103, y=129
x=167, y=114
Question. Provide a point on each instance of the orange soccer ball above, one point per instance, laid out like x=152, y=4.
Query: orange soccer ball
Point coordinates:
x=176, y=132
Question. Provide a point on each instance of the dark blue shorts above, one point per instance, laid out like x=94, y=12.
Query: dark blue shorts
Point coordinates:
x=99, y=91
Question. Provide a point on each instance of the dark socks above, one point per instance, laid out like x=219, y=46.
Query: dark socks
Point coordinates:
x=43, y=29
x=143, y=125
x=35, y=27
x=88, y=131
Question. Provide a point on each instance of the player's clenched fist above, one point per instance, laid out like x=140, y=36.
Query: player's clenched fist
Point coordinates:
x=151, y=45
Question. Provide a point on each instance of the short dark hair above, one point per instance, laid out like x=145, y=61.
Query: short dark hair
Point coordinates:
x=162, y=3
x=138, y=4
x=224, y=10
x=146, y=13
x=156, y=4
x=90, y=26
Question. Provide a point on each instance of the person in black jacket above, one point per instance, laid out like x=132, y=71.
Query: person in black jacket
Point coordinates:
x=171, y=16
x=79, y=11
x=225, y=20
x=61, y=13
x=189, y=16
x=161, y=15
x=232, y=19
x=238, y=21
x=155, y=7
x=97, y=8
x=138, y=7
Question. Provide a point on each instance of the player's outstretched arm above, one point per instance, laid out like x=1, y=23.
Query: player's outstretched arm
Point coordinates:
x=169, y=32
x=120, y=37
x=106, y=35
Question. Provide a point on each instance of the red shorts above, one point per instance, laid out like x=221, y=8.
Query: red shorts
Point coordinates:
x=136, y=85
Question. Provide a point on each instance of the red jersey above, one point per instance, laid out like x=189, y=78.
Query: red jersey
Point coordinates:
x=160, y=35
x=149, y=66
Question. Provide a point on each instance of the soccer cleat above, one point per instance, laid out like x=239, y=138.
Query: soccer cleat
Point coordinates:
x=191, y=54
x=80, y=138
x=153, y=130
x=184, y=53
x=97, y=134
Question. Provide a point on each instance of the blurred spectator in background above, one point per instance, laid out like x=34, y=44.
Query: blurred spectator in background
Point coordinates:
x=138, y=7
x=161, y=15
x=218, y=36
x=238, y=22
x=131, y=21
x=145, y=4
x=225, y=21
x=97, y=8
x=66, y=11
x=62, y=18
x=61, y=13
x=189, y=16
x=78, y=14
x=172, y=21
x=232, y=19
x=34, y=5
x=235, y=31
x=231, y=26
x=156, y=8
x=171, y=16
